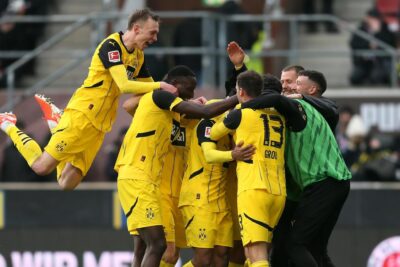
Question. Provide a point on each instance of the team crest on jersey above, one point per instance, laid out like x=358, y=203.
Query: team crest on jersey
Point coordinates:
x=149, y=213
x=207, y=132
x=60, y=146
x=202, y=234
x=114, y=56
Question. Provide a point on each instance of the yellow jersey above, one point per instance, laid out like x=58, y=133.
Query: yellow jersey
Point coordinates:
x=98, y=96
x=265, y=129
x=175, y=161
x=147, y=141
x=204, y=184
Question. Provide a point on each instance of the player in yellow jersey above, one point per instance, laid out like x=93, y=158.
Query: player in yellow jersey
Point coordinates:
x=203, y=200
x=141, y=158
x=117, y=67
x=175, y=163
x=261, y=181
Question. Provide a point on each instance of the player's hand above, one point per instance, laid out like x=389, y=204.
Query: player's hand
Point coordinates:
x=169, y=88
x=236, y=54
x=200, y=100
x=241, y=152
x=295, y=96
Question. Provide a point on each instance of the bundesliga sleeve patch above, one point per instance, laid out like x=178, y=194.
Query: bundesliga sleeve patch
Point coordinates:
x=207, y=132
x=114, y=56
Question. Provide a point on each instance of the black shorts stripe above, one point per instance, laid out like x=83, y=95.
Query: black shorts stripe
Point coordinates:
x=144, y=134
x=59, y=130
x=20, y=133
x=269, y=228
x=95, y=85
x=189, y=222
x=196, y=173
x=131, y=209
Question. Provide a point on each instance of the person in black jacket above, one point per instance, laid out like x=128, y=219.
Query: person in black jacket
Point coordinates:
x=371, y=69
x=328, y=109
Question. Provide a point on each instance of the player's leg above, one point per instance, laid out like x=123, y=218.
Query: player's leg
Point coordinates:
x=318, y=202
x=236, y=254
x=223, y=239
x=202, y=257
x=139, y=248
x=156, y=244
x=259, y=213
x=220, y=257
x=257, y=253
x=168, y=209
x=279, y=257
x=74, y=143
x=41, y=163
x=200, y=229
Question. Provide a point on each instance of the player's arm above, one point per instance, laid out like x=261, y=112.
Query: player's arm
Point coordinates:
x=236, y=56
x=194, y=110
x=326, y=107
x=292, y=109
x=209, y=146
x=226, y=126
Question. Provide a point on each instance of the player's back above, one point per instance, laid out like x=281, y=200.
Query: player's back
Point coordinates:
x=265, y=129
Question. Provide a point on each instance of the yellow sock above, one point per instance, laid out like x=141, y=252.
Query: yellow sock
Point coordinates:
x=28, y=148
x=260, y=264
x=247, y=263
x=234, y=264
x=166, y=264
x=188, y=264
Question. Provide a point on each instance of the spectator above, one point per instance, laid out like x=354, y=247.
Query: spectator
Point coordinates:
x=356, y=133
x=112, y=154
x=13, y=36
x=370, y=69
x=345, y=114
x=327, y=9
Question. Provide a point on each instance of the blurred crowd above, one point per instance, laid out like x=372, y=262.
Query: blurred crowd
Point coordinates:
x=20, y=36
x=370, y=154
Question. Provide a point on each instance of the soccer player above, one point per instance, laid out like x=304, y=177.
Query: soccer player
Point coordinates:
x=175, y=163
x=140, y=161
x=320, y=173
x=261, y=181
x=117, y=67
x=203, y=200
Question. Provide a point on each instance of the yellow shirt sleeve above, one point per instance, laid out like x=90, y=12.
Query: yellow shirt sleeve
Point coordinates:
x=118, y=73
x=212, y=155
x=219, y=130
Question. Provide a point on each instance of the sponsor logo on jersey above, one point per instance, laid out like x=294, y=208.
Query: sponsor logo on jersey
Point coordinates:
x=207, y=132
x=114, y=56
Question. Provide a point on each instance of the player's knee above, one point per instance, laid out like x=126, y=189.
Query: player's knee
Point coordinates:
x=204, y=258
x=67, y=184
x=41, y=169
x=158, y=246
